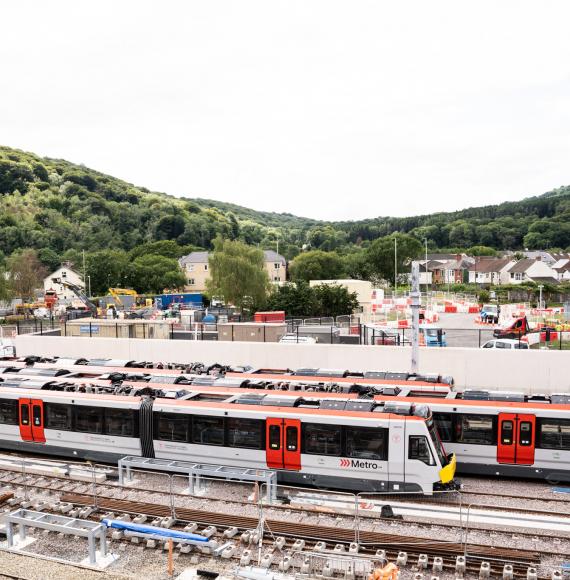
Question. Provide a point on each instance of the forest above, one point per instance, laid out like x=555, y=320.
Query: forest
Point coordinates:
x=59, y=209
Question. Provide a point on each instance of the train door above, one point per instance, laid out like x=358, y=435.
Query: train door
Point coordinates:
x=31, y=420
x=516, y=437
x=283, y=443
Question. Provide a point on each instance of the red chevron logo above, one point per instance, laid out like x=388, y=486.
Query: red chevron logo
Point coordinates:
x=345, y=462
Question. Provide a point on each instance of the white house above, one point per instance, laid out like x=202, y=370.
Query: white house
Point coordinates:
x=528, y=270
x=490, y=271
x=562, y=268
x=64, y=273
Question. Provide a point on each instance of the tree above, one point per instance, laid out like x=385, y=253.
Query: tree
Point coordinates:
x=26, y=273
x=296, y=299
x=335, y=300
x=237, y=274
x=49, y=258
x=5, y=289
x=481, y=251
x=107, y=268
x=380, y=256
x=166, y=248
x=169, y=227
x=316, y=265
x=153, y=274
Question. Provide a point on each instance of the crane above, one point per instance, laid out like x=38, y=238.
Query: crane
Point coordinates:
x=77, y=290
x=116, y=293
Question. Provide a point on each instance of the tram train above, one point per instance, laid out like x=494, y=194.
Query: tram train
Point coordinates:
x=343, y=443
x=490, y=432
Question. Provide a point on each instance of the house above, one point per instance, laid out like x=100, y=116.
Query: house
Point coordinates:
x=65, y=272
x=528, y=270
x=446, y=270
x=562, y=269
x=490, y=270
x=196, y=268
x=546, y=257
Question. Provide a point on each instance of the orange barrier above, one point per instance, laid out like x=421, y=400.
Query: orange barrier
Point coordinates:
x=450, y=309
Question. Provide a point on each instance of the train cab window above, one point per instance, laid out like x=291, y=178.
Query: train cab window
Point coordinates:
x=119, y=422
x=291, y=438
x=366, y=443
x=507, y=433
x=247, y=433
x=418, y=448
x=208, y=430
x=274, y=437
x=322, y=439
x=555, y=433
x=173, y=427
x=525, y=433
x=475, y=429
x=8, y=412
x=89, y=419
x=444, y=424
x=57, y=416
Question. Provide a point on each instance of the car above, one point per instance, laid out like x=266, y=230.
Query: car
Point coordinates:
x=508, y=343
x=490, y=313
x=293, y=338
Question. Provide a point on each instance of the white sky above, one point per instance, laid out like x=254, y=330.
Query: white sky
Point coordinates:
x=327, y=109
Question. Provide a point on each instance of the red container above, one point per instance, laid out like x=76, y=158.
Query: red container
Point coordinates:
x=275, y=316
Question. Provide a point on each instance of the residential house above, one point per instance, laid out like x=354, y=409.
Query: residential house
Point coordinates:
x=196, y=268
x=562, y=269
x=67, y=274
x=542, y=255
x=448, y=270
x=490, y=270
x=528, y=270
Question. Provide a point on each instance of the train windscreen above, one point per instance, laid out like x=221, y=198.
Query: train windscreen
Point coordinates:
x=437, y=442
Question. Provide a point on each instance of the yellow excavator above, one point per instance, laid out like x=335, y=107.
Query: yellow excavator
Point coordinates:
x=116, y=293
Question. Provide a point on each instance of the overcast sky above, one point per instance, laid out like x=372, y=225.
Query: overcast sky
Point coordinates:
x=332, y=110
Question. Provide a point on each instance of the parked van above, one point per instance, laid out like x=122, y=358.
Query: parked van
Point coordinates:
x=508, y=343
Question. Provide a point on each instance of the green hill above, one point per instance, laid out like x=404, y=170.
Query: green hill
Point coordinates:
x=54, y=204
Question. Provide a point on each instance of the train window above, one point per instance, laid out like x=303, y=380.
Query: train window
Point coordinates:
x=37, y=415
x=119, y=422
x=444, y=424
x=322, y=439
x=555, y=433
x=291, y=438
x=418, y=448
x=525, y=433
x=173, y=427
x=274, y=437
x=476, y=429
x=506, y=433
x=366, y=443
x=25, y=414
x=8, y=412
x=57, y=416
x=208, y=430
x=246, y=433
x=89, y=419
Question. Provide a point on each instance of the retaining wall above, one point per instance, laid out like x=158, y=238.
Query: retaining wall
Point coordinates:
x=531, y=371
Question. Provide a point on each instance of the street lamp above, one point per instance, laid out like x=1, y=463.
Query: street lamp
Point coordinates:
x=425, y=268
x=89, y=285
x=540, y=287
x=395, y=265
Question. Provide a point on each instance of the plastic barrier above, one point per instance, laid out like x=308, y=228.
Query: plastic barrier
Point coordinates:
x=154, y=530
x=450, y=309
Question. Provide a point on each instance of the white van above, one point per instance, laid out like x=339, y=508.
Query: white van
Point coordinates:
x=508, y=343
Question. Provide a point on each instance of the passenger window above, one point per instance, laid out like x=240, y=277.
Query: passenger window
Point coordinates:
x=208, y=430
x=57, y=416
x=8, y=412
x=555, y=433
x=322, y=439
x=25, y=414
x=507, y=433
x=475, y=429
x=501, y=345
x=291, y=438
x=120, y=422
x=246, y=433
x=172, y=427
x=489, y=345
x=525, y=433
x=89, y=419
x=419, y=449
x=37, y=415
x=274, y=437
x=366, y=443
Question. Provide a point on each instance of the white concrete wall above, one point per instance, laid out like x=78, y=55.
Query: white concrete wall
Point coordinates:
x=531, y=371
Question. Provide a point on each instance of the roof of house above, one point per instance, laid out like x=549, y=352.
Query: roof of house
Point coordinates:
x=562, y=266
x=445, y=265
x=539, y=254
x=487, y=265
x=521, y=266
x=202, y=257
x=544, y=279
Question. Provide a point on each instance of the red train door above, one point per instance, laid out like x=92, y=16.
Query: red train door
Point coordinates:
x=283, y=447
x=516, y=439
x=31, y=419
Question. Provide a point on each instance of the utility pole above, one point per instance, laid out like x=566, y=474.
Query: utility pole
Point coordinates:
x=540, y=287
x=395, y=265
x=415, y=296
x=426, y=272
x=84, y=271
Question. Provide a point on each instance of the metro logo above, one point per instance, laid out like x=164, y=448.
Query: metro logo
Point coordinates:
x=358, y=463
